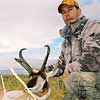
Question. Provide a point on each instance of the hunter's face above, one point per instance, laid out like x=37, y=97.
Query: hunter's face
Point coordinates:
x=70, y=14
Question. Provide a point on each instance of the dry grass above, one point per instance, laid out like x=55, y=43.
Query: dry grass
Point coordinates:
x=56, y=84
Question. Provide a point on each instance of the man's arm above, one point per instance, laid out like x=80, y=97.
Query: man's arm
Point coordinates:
x=58, y=68
x=90, y=59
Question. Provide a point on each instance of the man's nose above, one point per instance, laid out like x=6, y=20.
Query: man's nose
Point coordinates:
x=66, y=14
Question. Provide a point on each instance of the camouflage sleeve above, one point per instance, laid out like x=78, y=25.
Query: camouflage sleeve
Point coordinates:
x=90, y=59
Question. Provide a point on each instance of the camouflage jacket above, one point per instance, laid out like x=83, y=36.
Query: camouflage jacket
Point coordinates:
x=81, y=44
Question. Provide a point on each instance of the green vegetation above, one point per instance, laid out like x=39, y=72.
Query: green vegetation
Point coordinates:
x=56, y=84
x=11, y=83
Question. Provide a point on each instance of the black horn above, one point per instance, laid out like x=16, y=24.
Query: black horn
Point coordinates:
x=23, y=62
x=45, y=60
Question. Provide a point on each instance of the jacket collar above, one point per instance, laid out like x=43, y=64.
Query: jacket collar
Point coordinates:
x=74, y=28
x=77, y=23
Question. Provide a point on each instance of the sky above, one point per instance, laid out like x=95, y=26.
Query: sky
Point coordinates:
x=32, y=24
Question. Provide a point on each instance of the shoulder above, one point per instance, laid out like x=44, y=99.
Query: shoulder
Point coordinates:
x=92, y=26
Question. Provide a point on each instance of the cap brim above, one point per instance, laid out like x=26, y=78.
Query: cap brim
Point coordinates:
x=60, y=7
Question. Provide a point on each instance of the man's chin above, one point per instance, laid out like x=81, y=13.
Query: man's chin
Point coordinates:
x=70, y=22
x=73, y=21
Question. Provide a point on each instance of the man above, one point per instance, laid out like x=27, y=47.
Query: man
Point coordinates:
x=80, y=53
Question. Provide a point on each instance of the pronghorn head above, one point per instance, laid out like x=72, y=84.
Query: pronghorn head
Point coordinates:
x=38, y=81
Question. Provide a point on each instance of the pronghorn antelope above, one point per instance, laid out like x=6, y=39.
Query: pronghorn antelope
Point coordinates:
x=37, y=88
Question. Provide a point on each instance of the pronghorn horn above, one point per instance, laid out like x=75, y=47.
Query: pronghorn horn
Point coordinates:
x=45, y=60
x=23, y=62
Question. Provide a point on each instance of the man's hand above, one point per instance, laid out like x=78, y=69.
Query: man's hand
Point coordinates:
x=73, y=67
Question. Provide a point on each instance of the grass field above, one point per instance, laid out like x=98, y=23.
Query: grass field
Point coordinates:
x=56, y=84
